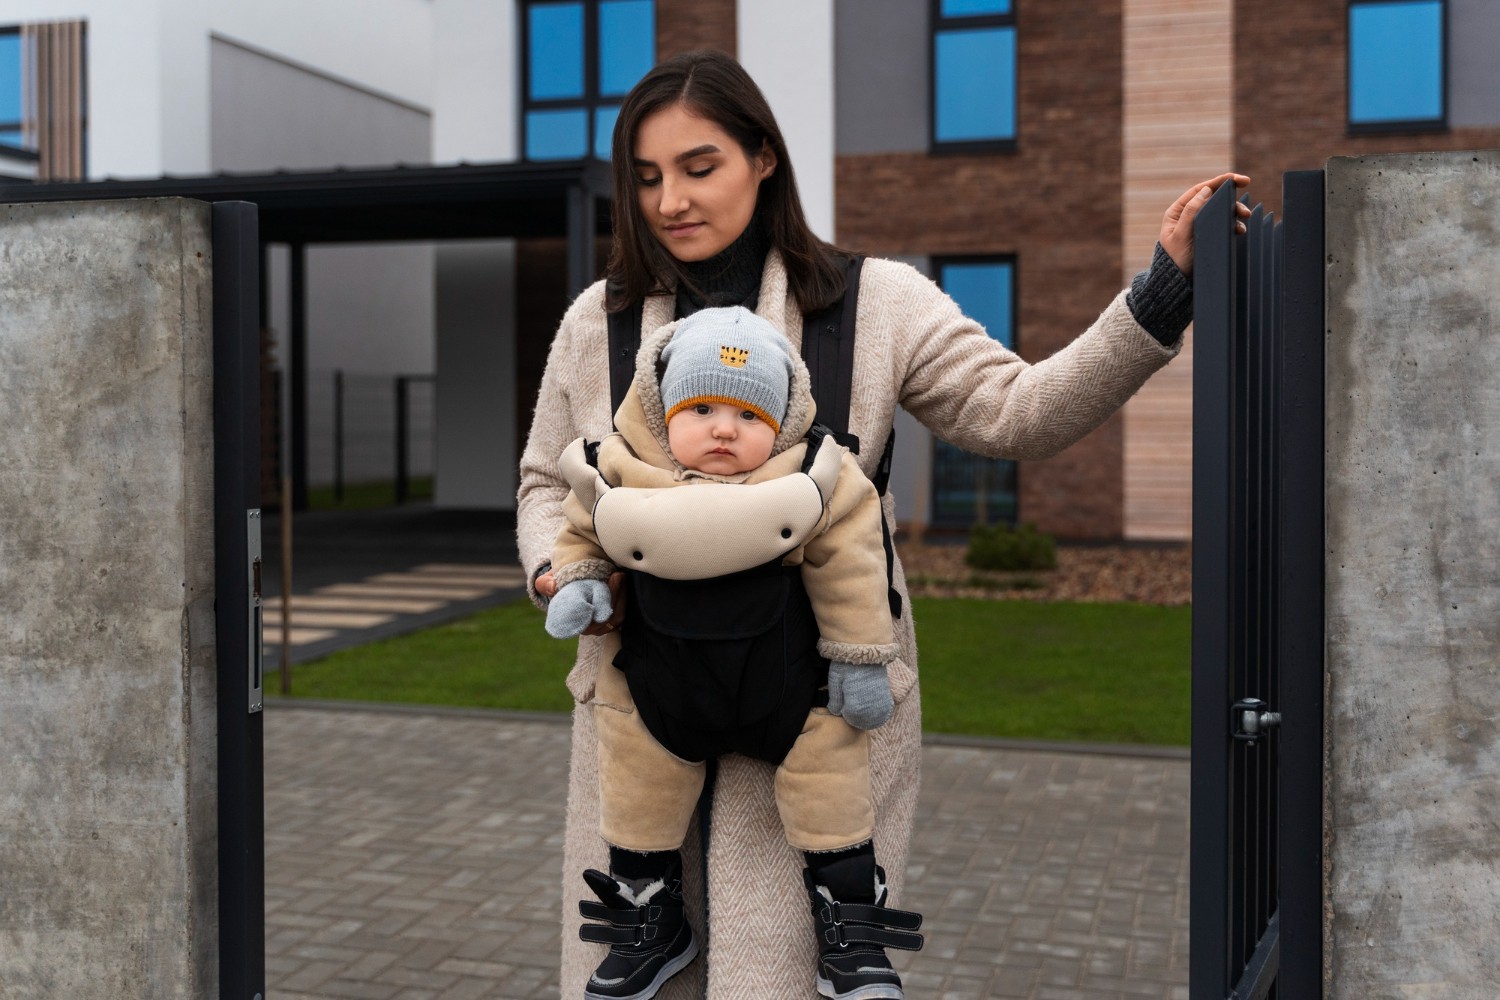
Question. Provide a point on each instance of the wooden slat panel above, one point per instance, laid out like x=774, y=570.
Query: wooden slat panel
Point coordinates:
x=1178, y=129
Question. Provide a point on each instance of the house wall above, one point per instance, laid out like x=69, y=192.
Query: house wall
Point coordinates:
x=1178, y=130
x=370, y=308
x=1297, y=120
x=1053, y=202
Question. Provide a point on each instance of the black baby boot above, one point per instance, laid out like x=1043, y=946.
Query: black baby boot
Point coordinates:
x=650, y=941
x=854, y=926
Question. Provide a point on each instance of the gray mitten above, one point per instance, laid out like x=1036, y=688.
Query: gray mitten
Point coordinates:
x=861, y=693
x=576, y=606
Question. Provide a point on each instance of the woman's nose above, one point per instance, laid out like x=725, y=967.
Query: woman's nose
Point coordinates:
x=673, y=198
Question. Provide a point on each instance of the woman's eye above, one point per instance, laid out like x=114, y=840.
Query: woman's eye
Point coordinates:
x=647, y=181
x=700, y=173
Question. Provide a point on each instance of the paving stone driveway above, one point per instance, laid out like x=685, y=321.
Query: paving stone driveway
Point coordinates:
x=416, y=855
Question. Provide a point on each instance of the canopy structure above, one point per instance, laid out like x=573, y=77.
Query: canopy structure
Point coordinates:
x=401, y=203
x=381, y=204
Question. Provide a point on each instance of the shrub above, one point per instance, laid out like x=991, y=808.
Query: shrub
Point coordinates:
x=1001, y=547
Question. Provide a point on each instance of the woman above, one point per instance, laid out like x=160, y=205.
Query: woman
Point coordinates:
x=706, y=213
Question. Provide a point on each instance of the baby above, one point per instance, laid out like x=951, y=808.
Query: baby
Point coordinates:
x=757, y=623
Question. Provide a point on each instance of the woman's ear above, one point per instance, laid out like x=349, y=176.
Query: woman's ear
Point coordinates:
x=766, y=162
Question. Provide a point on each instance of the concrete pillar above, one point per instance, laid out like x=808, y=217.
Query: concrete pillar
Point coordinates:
x=1413, y=589
x=107, y=760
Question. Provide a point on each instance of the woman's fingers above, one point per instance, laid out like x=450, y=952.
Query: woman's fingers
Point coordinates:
x=1177, y=223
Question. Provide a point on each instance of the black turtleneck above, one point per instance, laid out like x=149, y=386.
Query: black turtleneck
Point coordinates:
x=730, y=277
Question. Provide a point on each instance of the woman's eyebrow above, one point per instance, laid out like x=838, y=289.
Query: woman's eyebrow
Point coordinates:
x=702, y=150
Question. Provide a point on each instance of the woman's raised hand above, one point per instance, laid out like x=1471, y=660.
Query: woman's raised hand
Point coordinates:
x=1177, y=225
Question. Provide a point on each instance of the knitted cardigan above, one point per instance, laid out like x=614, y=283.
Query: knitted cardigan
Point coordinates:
x=915, y=349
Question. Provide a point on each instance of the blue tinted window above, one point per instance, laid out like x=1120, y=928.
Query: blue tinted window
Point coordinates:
x=582, y=57
x=970, y=489
x=984, y=292
x=1396, y=62
x=627, y=44
x=975, y=81
x=556, y=51
x=10, y=78
x=557, y=135
x=964, y=8
x=604, y=128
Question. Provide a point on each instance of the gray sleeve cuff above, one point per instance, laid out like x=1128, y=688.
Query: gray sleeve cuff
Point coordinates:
x=1161, y=298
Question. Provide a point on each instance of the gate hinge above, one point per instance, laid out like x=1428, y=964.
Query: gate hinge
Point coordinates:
x=1251, y=721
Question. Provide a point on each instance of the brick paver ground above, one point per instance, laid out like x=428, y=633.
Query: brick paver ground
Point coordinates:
x=416, y=855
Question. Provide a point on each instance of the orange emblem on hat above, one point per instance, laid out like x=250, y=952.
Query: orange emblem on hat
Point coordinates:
x=733, y=357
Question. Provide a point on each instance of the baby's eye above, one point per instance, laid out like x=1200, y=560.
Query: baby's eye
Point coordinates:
x=703, y=409
x=748, y=415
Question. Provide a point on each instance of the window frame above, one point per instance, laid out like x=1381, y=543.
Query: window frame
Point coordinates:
x=937, y=263
x=24, y=154
x=592, y=100
x=939, y=23
x=1394, y=127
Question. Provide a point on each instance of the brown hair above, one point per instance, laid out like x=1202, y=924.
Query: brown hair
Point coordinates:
x=713, y=86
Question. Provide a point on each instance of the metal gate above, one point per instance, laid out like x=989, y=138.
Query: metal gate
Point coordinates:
x=1257, y=703
x=242, y=931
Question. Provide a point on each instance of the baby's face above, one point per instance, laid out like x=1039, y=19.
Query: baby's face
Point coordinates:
x=719, y=438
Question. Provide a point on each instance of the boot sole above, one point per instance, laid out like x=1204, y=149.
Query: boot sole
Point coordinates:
x=667, y=972
x=879, y=991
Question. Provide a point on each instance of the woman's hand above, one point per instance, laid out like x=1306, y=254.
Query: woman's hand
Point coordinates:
x=546, y=585
x=1177, y=225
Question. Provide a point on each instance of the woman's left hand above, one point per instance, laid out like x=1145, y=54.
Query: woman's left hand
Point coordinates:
x=1177, y=225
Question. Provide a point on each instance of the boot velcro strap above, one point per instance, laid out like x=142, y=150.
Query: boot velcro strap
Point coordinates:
x=844, y=935
x=617, y=934
x=880, y=916
x=599, y=934
x=635, y=916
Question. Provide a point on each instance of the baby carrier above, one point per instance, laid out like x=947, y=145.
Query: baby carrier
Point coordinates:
x=730, y=663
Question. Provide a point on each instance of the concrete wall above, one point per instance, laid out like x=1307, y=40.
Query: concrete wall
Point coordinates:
x=1413, y=590
x=107, y=766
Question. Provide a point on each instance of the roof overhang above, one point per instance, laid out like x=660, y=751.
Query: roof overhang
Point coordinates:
x=370, y=205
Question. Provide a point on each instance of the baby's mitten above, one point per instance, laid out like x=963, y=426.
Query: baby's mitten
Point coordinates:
x=861, y=693
x=577, y=605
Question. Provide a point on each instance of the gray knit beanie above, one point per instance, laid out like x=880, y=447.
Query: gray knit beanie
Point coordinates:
x=728, y=355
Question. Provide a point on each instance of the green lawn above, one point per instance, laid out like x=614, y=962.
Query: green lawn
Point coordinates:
x=1113, y=673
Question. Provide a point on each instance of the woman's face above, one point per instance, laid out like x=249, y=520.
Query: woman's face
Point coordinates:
x=695, y=185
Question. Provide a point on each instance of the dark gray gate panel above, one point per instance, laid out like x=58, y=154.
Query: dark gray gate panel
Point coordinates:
x=242, y=937
x=1300, y=642
x=1253, y=414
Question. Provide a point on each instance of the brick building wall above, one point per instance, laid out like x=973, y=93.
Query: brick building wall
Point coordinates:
x=1290, y=85
x=685, y=25
x=1054, y=202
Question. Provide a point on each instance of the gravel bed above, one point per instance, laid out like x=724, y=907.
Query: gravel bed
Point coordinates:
x=1149, y=574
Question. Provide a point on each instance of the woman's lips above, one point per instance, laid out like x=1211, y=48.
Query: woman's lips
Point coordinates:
x=683, y=230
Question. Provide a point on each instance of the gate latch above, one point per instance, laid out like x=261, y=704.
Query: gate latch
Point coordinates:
x=1252, y=721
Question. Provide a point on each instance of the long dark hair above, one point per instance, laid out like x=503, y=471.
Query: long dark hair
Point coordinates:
x=713, y=86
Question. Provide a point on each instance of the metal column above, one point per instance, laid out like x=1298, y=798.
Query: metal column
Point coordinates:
x=241, y=814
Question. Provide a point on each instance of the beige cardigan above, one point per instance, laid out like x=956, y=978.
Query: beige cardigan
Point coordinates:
x=914, y=349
